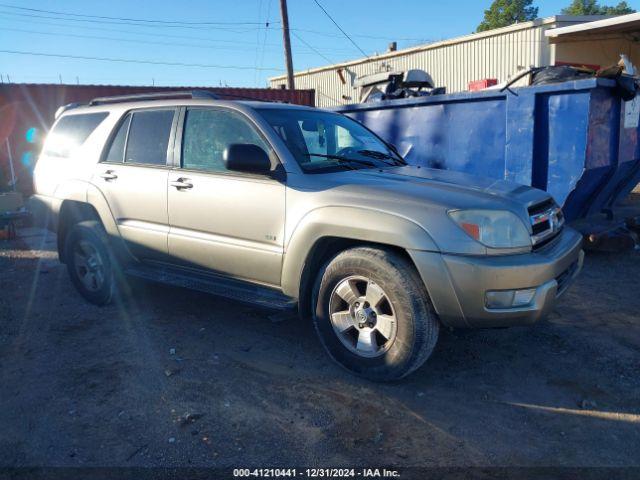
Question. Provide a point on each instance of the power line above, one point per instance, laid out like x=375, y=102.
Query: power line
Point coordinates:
x=178, y=24
x=113, y=39
x=127, y=60
x=193, y=27
x=264, y=40
x=373, y=37
x=260, y=51
x=255, y=61
x=141, y=20
x=144, y=34
x=312, y=48
x=137, y=33
x=340, y=28
x=246, y=28
x=119, y=80
x=137, y=41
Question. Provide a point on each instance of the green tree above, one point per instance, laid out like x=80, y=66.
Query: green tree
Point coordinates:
x=621, y=9
x=591, y=7
x=503, y=13
x=582, y=7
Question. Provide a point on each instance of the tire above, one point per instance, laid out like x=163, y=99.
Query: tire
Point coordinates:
x=87, y=250
x=382, y=342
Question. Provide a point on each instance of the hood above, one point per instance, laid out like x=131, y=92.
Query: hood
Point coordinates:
x=456, y=179
x=444, y=187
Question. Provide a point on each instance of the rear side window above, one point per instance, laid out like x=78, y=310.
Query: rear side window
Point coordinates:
x=71, y=132
x=116, y=150
x=149, y=137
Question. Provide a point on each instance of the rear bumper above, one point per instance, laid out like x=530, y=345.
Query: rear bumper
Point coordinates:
x=458, y=284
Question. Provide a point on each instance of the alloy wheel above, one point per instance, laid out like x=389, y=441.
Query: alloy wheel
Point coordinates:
x=89, y=266
x=362, y=316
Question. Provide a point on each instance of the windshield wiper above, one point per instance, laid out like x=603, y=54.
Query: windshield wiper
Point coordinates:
x=342, y=160
x=382, y=157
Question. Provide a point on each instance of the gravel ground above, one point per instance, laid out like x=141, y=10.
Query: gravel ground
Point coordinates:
x=177, y=378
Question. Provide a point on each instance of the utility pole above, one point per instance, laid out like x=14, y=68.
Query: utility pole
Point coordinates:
x=287, y=44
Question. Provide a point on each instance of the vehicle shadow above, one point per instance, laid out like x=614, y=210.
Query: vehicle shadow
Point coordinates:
x=112, y=385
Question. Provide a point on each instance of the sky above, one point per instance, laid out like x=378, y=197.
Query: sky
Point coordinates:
x=214, y=42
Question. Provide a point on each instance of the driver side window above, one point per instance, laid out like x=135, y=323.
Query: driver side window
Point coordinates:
x=321, y=140
x=315, y=137
x=207, y=134
x=344, y=139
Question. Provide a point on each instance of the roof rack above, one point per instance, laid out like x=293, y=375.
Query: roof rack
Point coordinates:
x=66, y=107
x=154, y=96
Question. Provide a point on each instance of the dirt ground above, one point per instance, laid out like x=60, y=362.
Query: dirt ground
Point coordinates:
x=179, y=378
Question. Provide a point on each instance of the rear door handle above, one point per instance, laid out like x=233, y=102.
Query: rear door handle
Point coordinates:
x=108, y=175
x=181, y=183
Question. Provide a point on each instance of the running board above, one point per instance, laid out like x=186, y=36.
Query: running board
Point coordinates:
x=224, y=287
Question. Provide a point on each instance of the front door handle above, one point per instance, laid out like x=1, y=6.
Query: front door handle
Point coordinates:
x=181, y=183
x=108, y=175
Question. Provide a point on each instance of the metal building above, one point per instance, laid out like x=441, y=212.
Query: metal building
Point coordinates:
x=597, y=43
x=499, y=54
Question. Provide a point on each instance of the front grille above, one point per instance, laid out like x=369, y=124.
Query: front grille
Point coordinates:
x=546, y=220
x=541, y=227
x=542, y=207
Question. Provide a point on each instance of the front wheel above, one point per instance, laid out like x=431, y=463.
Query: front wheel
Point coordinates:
x=373, y=314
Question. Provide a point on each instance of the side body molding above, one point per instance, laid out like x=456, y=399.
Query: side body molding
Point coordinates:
x=353, y=223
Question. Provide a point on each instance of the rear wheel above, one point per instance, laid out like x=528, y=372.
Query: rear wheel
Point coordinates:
x=89, y=262
x=373, y=314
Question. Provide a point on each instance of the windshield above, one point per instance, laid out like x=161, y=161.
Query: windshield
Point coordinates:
x=322, y=141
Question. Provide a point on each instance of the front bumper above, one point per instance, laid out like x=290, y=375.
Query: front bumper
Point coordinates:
x=458, y=284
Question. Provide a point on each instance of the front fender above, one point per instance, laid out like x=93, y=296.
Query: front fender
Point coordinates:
x=352, y=223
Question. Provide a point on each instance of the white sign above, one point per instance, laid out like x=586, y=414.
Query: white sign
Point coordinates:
x=632, y=113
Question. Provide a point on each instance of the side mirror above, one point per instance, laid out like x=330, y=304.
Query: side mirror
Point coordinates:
x=245, y=157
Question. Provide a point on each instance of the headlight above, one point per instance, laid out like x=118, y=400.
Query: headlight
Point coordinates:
x=493, y=228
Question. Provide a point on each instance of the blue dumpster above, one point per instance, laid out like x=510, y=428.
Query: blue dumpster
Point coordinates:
x=578, y=140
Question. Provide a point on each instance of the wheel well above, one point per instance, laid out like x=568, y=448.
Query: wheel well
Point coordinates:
x=71, y=213
x=324, y=250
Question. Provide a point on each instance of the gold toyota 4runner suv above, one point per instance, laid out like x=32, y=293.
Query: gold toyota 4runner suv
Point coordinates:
x=291, y=207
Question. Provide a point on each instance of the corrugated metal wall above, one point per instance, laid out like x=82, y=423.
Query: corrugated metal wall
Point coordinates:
x=25, y=106
x=500, y=54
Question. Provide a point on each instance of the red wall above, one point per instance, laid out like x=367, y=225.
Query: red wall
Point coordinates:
x=24, y=106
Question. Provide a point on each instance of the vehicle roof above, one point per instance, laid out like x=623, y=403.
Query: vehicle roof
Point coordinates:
x=128, y=105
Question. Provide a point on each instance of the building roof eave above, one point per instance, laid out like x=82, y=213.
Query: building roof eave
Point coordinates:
x=461, y=39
